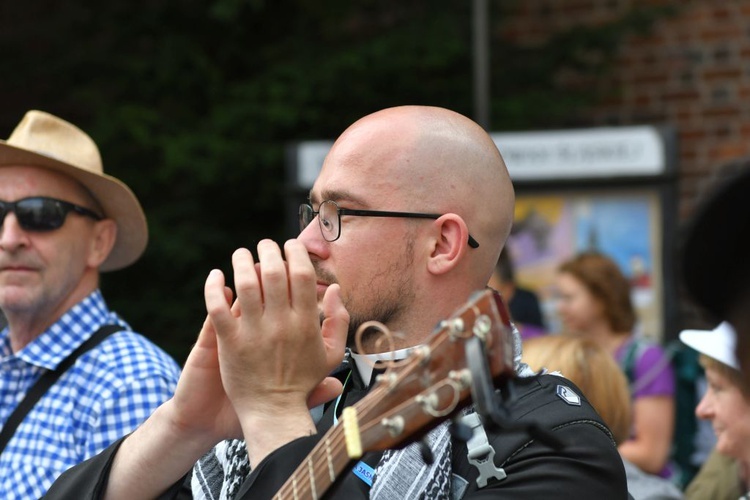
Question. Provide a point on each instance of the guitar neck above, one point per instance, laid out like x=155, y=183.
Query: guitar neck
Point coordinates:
x=317, y=473
x=412, y=396
x=368, y=426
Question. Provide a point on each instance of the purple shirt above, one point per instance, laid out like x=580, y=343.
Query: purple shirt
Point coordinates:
x=652, y=373
x=529, y=331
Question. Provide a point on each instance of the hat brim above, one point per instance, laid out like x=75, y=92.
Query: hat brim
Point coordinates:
x=715, y=267
x=116, y=199
x=718, y=343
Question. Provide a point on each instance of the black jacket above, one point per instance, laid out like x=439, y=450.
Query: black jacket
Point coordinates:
x=588, y=465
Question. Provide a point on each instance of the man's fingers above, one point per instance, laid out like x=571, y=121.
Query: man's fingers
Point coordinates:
x=273, y=275
x=216, y=302
x=207, y=335
x=246, y=283
x=229, y=295
x=328, y=389
x=335, y=326
x=234, y=305
x=302, y=293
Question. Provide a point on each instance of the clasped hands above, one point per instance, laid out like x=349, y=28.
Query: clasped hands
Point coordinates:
x=261, y=359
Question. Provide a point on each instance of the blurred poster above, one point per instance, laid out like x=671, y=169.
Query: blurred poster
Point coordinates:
x=625, y=225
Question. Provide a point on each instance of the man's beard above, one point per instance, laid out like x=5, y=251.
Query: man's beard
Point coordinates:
x=383, y=311
x=383, y=305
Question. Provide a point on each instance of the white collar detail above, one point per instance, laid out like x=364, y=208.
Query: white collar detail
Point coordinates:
x=365, y=362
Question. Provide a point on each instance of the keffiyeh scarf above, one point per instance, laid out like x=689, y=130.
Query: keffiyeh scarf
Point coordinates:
x=399, y=474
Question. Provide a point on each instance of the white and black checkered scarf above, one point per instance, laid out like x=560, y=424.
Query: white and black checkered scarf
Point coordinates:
x=399, y=474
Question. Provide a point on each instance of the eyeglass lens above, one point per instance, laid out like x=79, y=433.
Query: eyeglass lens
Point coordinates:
x=328, y=219
x=306, y=215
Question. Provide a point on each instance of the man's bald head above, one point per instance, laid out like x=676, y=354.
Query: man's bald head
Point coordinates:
x=437, y=160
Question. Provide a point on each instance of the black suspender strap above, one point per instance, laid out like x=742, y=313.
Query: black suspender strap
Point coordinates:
x=47, y=380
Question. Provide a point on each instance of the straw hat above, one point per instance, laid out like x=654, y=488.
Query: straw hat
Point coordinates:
x=43, y=140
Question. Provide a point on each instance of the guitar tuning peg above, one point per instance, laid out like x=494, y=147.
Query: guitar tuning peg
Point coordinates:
x=460, y=431
x=426, y=452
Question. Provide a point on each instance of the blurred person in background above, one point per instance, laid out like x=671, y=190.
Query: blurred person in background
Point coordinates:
x=714, y=267
x=594, y=302
x=588, y=365
x=523, y=303
x=726, y=404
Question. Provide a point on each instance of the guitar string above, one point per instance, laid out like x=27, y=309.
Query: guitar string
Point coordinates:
x=304, y=487
x=333, y=439
x=320, y=461
x=336, y=441
x=315, y=462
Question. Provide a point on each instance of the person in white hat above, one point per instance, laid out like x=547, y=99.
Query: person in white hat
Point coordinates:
x=715, y=268
x=726, y=403
x=62, y=221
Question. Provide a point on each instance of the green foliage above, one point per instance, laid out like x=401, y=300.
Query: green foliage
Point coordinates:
x=193, y=102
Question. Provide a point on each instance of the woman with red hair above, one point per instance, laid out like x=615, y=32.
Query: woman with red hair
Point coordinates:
x=594, y=302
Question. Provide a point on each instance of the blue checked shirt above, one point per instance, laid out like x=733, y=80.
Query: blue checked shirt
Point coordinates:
x=106, y=394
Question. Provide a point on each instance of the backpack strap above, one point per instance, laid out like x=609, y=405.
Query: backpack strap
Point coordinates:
x=629, y=359
x=633, y=354
x=47, y=380
x=480, y=452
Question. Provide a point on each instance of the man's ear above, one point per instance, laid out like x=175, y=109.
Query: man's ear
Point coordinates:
x=105, y=234
x=450, y=244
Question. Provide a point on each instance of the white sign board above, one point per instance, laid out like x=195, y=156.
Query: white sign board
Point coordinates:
x=541, y=156
x=310, y=156
x=583, y=154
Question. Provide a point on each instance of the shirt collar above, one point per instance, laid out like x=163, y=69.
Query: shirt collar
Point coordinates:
x=366, y=362
x=70, y=331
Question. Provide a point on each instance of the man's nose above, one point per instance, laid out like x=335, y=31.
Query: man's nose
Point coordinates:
x=12, y=235
x=313, y=239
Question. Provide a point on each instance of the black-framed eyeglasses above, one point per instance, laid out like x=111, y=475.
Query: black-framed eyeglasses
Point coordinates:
x=40, y=213
x=329, y=217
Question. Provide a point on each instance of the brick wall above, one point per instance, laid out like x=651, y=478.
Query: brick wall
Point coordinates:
x=691, y=71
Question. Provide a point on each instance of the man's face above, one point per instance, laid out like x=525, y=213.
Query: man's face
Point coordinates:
x=729, y=412
x=39, y=271
x=372, y=259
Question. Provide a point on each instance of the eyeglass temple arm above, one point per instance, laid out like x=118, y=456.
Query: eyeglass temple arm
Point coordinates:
x=412, y=215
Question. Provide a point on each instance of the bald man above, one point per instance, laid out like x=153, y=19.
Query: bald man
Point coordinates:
x=406, y=219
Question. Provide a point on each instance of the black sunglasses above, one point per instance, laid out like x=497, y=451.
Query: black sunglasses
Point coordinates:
x=39, y=213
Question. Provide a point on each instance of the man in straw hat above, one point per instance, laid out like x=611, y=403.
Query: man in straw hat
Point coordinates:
x=62, y=220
